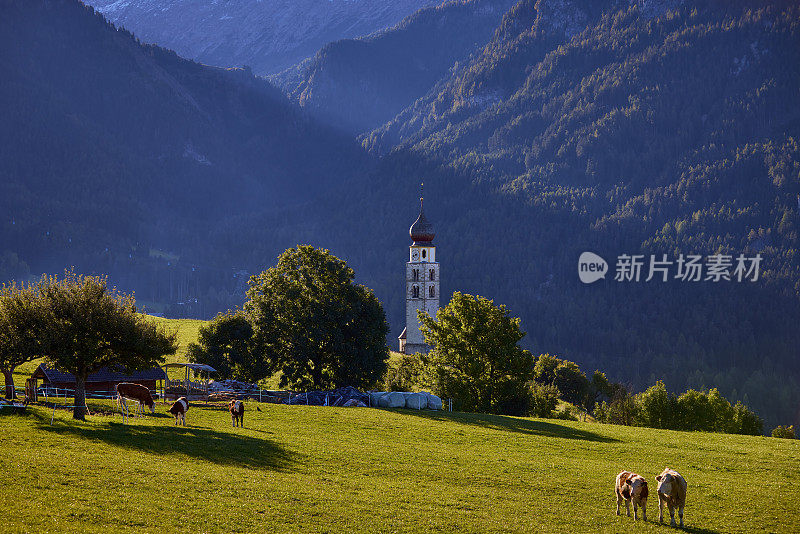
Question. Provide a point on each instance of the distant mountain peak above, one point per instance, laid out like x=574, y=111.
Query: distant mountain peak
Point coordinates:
x=268, y=35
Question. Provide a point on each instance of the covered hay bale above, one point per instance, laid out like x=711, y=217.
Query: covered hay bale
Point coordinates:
x=393, y=400
x=376, y=399
x=416, y=401
x=434, y=402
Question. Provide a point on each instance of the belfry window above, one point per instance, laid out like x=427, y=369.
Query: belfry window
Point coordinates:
x=432, y=274
x=432, y=292
x=415, y=292
x=424, y=252
x=415, y=274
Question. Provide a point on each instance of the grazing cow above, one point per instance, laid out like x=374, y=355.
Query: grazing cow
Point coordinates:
x=236, y=407
x=135, y=392
x=179, y=409
x=631, y=487
x=672, y=491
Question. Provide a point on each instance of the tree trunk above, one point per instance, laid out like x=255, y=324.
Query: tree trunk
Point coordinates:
x=11, y=393
x=78, y=412
x=316, y=374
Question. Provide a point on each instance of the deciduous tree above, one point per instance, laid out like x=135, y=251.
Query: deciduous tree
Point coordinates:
x=476, y=356
x=92, y=326
x=315, y=325
x=226, y=344
x=23, y=332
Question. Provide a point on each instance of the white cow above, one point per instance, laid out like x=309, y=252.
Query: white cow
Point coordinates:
x=672, y=491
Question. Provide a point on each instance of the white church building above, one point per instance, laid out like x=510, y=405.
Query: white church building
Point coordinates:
x=422, y=283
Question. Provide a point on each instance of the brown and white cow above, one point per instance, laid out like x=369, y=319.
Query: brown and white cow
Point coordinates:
x=631, y=487
x=236, y=407
x=179, y=409
x=672, y=492
x=128, y=391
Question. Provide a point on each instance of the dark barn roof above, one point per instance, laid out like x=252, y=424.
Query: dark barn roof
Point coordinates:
x=106, y=374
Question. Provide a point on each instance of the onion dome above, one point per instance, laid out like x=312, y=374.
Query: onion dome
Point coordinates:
x=421, y=231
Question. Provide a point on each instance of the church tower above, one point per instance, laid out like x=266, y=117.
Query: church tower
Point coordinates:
x=422, y=283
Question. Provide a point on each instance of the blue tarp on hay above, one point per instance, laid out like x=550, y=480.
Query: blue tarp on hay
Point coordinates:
x=334, y=397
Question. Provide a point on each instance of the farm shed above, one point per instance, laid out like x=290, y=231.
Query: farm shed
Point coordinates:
x=188, y=380
x=103, y=381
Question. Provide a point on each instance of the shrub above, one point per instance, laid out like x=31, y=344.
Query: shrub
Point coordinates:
x=785, y=432
x=406, y=374
x=620, y=410
x=657, y=407
x=571, y=382
x=544, y=371
x=543, y=399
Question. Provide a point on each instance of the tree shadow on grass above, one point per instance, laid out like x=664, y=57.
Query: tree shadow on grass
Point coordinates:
x=513, y=424
x=222, y=448
x=694, y=530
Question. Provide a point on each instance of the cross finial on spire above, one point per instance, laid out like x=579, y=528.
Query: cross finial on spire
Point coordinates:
x=421, y=196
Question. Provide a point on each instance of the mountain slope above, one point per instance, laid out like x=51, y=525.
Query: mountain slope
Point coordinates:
x=645, y=128
x=109, y=148
x=359, y=84
x=267, y=35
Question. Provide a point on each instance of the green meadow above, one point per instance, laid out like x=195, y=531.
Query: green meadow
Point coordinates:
x=317, y=469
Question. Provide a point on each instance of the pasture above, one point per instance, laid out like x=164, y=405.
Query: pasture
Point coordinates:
x=316, y=469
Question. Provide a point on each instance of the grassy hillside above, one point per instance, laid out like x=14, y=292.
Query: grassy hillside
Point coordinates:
x=313, y=469
x=187, y=329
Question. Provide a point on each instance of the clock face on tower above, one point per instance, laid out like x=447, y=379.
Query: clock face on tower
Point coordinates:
x=415, y=254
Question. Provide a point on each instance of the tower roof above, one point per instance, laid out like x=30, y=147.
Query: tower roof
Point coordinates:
x=421, y=231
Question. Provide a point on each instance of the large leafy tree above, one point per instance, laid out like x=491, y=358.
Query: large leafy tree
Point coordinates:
x=226, y=345
x=476, y=355
x=23, y=332
x=315, y=325
x=91, y=326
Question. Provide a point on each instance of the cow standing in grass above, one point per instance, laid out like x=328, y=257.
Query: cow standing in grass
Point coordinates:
x=136, y=392
x=672, y=492
x=179, y=409
x=236, y=407
x=631, y=487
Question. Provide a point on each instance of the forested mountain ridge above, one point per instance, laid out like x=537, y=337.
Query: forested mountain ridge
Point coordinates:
x=358, y=84
x=267, y=35
x=622, y=128
x=110, y=148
